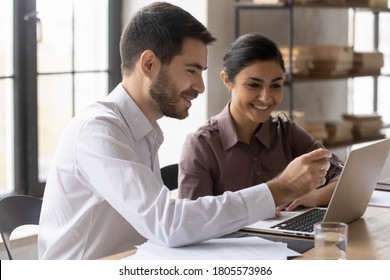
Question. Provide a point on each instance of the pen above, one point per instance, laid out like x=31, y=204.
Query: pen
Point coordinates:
x=337, y=164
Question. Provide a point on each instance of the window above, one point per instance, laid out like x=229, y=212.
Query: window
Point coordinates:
x=72, y=64
x=6, y=96
x=65, y=55
x=371, y=93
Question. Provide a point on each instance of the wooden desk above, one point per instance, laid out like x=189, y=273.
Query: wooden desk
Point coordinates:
x=368, y=238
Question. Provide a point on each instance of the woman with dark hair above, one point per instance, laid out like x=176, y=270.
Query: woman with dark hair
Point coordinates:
x=245, y=144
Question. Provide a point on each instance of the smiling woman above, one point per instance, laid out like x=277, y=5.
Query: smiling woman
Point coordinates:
x=256, y=91
x=245, y=136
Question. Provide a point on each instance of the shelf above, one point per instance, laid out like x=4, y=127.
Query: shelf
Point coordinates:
x=354, y=142
x=250, y=5
x=316, y=76
x=302, y=78
x=385, y=133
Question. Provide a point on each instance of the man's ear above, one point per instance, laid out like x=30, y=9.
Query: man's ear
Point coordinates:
x=149, y=63
x=225, y=80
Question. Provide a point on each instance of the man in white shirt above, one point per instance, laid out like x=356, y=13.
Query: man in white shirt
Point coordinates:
x=104, y=192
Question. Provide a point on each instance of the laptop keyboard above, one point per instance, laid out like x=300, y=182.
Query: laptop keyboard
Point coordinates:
x=304, y=222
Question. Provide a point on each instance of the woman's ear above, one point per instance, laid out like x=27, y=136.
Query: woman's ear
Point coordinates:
x=225, y=80
x=149, y=63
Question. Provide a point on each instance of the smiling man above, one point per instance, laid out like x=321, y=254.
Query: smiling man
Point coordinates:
x=104, y=192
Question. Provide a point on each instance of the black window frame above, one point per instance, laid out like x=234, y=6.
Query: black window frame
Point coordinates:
x=26, y=177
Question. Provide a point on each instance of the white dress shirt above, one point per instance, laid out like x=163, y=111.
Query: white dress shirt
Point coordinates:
x=104, y=192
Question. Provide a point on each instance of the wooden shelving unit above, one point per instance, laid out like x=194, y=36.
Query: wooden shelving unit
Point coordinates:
x=289, y=7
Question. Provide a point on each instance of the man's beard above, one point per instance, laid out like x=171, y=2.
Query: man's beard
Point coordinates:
x=167, y=97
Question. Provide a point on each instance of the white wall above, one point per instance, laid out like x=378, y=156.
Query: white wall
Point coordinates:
x=221, y=24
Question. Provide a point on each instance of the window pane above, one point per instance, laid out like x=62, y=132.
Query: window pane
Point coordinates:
x=54, y=112
x=384, y=98
x=91, y=32
x=384, y=82
x=6, y=98
x=363, y=96
x=89, y=87
x=364, y=31
x=6, y=136
x=363, y=88
x=6, y=33
x=384, y=40
x=55, y=45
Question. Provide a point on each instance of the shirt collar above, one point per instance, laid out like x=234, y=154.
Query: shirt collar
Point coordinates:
x=134, y=117
x=228, y=133
x=264, y=133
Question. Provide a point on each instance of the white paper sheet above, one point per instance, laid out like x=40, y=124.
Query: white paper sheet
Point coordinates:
x=380, y=199
x=242, y=248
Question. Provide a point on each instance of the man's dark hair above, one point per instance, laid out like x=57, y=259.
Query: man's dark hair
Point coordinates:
x=160, y=27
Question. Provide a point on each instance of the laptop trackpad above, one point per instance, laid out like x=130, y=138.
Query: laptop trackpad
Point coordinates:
x=268, y=223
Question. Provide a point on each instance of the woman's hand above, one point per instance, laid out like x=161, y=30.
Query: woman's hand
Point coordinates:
x=317, y=197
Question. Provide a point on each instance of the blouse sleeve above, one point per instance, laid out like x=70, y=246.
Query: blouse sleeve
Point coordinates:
x=302, y=142
x=195, y=175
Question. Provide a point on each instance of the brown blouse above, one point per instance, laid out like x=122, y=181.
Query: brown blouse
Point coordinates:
x=214, y=160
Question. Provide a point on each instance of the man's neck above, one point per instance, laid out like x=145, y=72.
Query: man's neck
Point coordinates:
x=138, y=89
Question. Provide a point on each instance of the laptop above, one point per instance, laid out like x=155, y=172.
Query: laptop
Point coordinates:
x=349, y=200
x=384, y=178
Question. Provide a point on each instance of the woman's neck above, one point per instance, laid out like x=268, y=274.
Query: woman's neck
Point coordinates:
x=246, y=130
